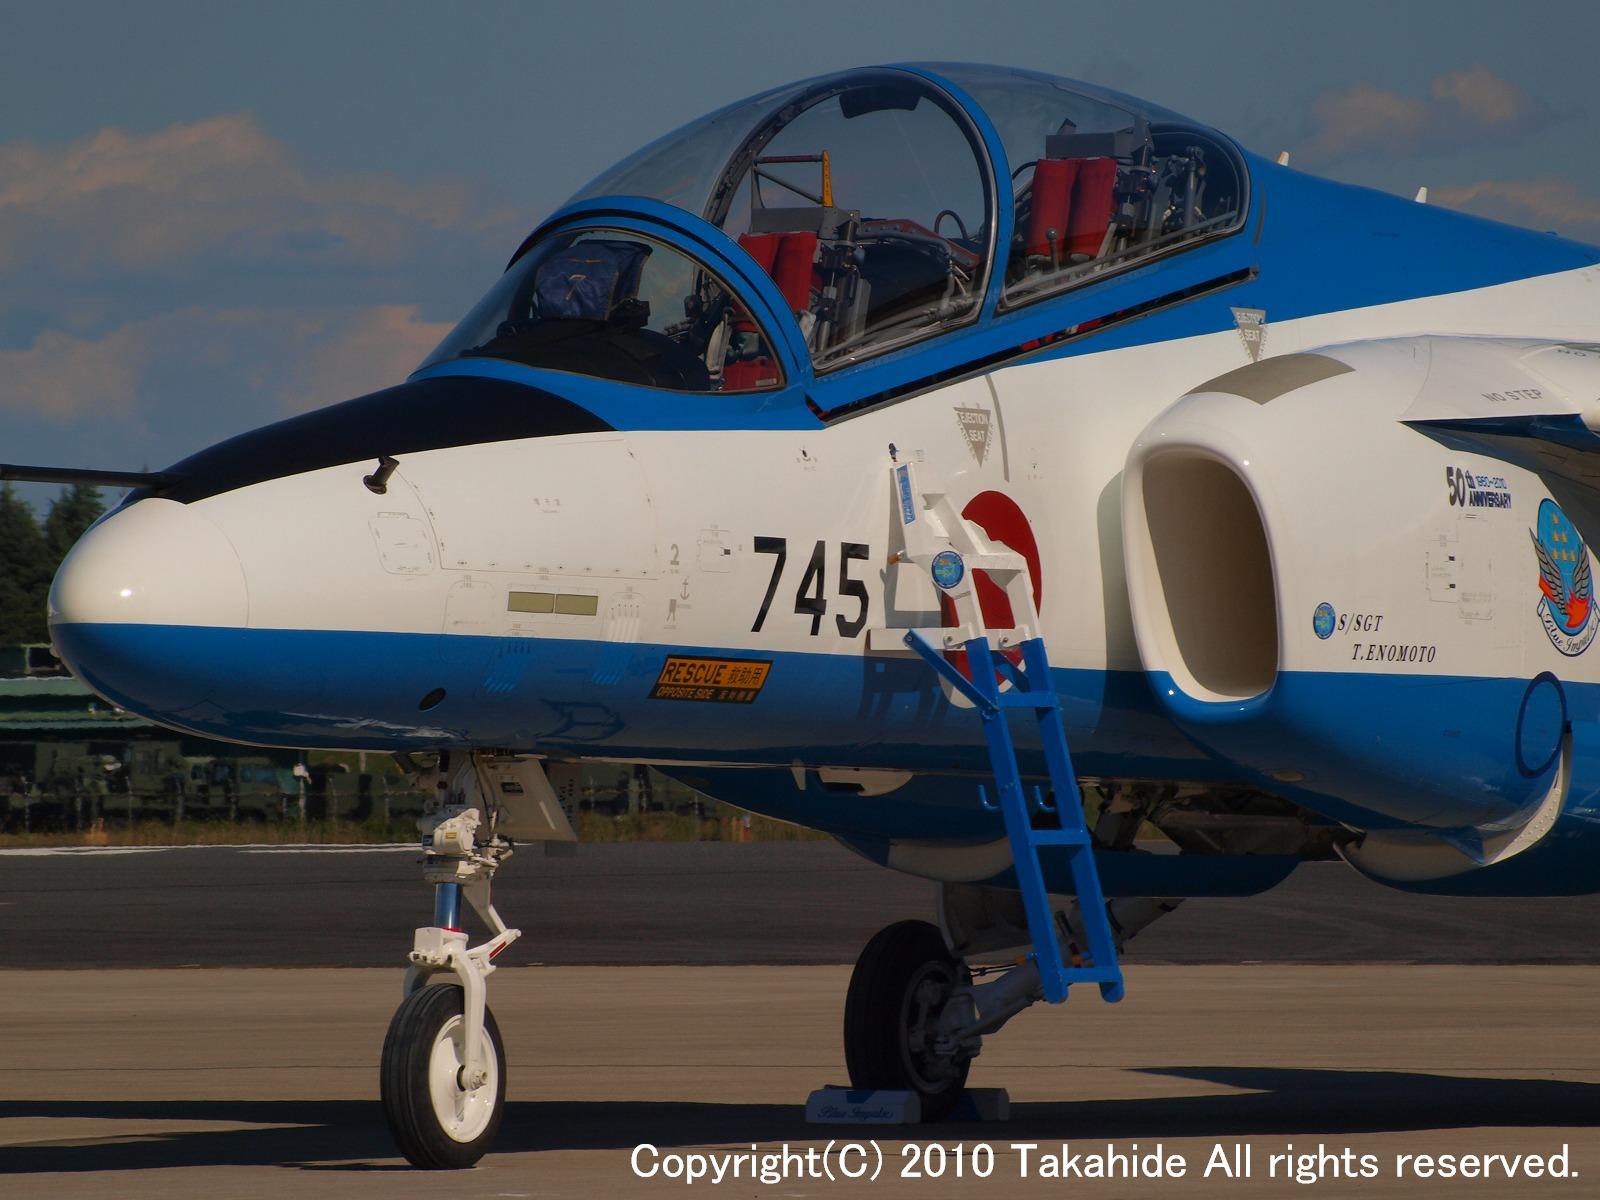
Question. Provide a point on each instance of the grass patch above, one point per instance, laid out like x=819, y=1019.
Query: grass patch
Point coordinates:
x=221, y=833
x=686, y=827
x=592, y=827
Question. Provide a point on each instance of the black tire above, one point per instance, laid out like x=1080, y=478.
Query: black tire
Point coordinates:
x=406, y=1083
x=882, y=1007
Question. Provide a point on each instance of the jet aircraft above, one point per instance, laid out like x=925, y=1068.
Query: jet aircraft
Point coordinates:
x=910, y=454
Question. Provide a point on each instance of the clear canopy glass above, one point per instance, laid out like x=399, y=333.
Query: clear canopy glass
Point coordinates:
x=1100, y=181
x=617, y=305
x=869, y=197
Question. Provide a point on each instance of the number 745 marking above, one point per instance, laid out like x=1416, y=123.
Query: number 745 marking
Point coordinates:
x=810, y=598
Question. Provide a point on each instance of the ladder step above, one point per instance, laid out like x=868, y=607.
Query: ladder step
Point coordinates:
x=1071, y=975
x=1059, y=837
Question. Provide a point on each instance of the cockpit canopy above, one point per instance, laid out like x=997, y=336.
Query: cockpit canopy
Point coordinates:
x=876, y=181
x=877, y=201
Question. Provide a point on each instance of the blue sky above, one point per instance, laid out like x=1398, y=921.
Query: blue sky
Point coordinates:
x=213, y=216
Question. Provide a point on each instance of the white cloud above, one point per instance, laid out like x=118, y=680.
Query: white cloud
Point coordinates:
x=184, y=378
x=1463, y=108
x=61, y=378
x=221, y=188
x=159, y=291
x=1484, y=99
x=1364, y=118
x=359, y=352
x=1549, y=203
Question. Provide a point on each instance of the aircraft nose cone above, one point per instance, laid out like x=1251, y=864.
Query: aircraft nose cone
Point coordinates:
x=141, y=572
x=155, y=563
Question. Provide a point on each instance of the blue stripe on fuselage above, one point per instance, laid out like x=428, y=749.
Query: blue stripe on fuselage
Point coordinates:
x=1373, y=750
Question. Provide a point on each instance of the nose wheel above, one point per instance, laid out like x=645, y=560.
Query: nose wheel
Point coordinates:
x=902, y=985
x=442, y=1117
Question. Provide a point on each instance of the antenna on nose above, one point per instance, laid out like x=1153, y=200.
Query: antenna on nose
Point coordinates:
x=378, y=481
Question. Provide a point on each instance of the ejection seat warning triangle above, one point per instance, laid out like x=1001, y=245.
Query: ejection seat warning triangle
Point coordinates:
x=1252, y=326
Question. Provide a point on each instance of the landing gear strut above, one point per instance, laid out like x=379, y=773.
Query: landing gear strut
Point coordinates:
x=443, y=1076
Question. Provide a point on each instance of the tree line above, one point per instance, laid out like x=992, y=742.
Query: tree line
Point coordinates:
x=30, y=552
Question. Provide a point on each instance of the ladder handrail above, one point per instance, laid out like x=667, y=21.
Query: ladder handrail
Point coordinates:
x=934, y=657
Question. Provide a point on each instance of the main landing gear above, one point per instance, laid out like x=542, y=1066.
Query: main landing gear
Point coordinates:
x=914, y=1019
x=443, y=1076
x=904, y=988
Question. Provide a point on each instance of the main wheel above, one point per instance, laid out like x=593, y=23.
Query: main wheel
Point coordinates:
x=437, y=1124
x=902, y=982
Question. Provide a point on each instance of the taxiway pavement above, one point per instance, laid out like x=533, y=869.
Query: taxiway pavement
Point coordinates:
x=253, y=1084
x=257, y=1077
x=680, y=903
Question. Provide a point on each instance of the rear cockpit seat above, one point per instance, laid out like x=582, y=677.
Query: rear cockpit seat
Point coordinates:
x=1073, y=201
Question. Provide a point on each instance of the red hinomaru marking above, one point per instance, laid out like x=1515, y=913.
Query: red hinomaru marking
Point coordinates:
x=1001, y=521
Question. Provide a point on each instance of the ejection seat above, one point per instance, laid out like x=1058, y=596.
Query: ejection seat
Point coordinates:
x=1072, y=205
x=586, y=317
x=790, y=258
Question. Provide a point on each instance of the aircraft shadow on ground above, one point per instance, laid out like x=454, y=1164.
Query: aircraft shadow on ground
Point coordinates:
x=349, y=1135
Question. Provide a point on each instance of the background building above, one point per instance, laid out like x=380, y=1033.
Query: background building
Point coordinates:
x=71, y=761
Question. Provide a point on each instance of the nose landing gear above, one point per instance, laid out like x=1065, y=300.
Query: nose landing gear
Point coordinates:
x=443, y=1074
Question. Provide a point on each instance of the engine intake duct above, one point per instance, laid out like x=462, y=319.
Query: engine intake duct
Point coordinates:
x=1214, y=616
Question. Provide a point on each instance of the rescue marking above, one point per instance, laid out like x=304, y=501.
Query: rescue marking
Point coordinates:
x=712, y=680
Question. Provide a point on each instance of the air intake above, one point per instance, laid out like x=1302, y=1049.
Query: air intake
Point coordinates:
x=1216, y=619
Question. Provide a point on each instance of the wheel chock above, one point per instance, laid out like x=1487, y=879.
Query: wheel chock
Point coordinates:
x=863, y=1106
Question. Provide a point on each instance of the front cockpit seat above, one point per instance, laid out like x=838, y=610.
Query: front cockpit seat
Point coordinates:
x=587, y=318
x=593, y=281
x=790, y=259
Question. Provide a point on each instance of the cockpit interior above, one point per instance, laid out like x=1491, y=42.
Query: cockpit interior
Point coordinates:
x=869, y=198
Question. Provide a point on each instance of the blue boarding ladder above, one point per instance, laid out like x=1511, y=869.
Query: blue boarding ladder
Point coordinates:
x=951, y=549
